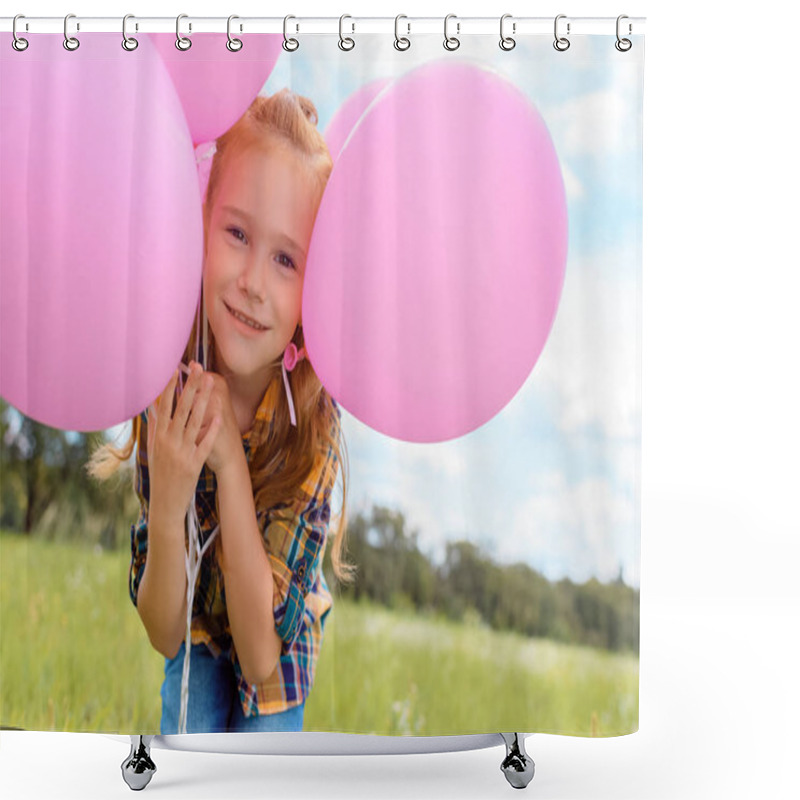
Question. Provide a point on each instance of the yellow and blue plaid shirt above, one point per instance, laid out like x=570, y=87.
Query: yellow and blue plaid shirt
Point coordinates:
x=294, y=535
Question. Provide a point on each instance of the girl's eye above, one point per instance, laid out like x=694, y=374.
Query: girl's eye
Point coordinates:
x=239, y=236
x=291, y=263
x=236, y=231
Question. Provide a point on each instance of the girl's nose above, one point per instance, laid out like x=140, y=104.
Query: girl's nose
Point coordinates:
x=253, y=282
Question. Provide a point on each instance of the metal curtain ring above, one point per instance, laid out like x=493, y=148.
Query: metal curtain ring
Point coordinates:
x=351, y=43
x=561, y=43
x=18, y=43
x=506, y=42
x=406, y=42
x=623, y=45
x=70, y=42
x=286, y=42
x=451, y=42
x=233, y=44
x=182, y=42
x=128, y=42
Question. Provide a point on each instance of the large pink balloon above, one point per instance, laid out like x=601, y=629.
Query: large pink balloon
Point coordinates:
x=348, y=114
x=438, y=254
x=215, y=85
x=100, y=230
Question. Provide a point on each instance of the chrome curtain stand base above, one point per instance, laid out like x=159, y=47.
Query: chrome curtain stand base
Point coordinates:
x=138, y=768
x=517, y=766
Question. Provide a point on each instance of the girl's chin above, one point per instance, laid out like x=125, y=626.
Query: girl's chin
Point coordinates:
x=236, y=362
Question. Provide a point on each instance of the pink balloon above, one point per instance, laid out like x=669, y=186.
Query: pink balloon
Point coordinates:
x=348, y=114
x=215, y=85
x=438, y=254
x=100, y=230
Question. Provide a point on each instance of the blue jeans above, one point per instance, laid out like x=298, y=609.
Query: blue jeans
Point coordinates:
x=214, y=705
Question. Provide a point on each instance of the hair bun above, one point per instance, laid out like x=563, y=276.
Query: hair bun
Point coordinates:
x=309, y=109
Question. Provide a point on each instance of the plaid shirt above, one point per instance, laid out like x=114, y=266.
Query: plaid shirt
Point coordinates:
x=294, y=537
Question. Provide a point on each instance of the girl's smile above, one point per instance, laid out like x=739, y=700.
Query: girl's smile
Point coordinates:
x=250, y=325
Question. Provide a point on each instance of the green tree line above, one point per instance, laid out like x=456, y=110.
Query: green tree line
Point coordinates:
x=392, y=571
x=45, y=492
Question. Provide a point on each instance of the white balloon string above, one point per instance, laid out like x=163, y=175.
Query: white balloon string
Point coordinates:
x=289, y=395
x=197, y=331
x=192, y=560
x=205, y=337
x=193, y=556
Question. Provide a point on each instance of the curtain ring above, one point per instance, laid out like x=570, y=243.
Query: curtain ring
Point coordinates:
x=506, y=42
x=70, y=42
x=289, y=44
x=351, y=42
x=406, y=42
x=561, y=43
x=18, y=43
x=128, y=42
x=623, y=45
x=233, y=44
x=182, y=42
x=451, y=42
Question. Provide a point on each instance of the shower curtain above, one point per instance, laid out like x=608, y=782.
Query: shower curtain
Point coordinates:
x=409, y=268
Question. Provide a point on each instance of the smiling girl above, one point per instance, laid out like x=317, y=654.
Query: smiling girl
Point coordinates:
x=253, y=440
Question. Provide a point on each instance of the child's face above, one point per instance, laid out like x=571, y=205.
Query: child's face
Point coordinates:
x=257, y=240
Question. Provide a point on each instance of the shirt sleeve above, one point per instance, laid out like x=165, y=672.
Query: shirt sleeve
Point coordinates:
x=294, y=539
x=139, y=528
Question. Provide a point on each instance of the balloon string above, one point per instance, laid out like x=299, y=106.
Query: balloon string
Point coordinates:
x=205, y=336
x=193, y=556
x=289, y=395
x=198, y=330
x=192, y=560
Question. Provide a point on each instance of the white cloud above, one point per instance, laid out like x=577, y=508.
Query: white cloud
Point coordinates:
x=625, y=456
x=590, y=366
x=572, y=185
x=432, y=484
x=580, y=530
x=599, y=123
x=454, y=490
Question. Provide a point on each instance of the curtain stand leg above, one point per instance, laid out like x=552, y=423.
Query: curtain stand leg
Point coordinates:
x=517, y=766
x=138, y=768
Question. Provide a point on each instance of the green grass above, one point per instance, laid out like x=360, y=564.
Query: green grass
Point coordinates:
x=74, y=656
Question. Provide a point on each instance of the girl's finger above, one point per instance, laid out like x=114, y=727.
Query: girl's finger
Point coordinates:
x=186, y=399
x=199, y=408
x=164, y=405
x=152, y=421
x=151, y=417
x=207, y=442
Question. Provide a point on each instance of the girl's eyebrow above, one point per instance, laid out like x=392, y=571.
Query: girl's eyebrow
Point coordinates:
x=250, y=221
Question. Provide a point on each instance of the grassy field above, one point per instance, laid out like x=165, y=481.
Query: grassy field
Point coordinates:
x=74, y=656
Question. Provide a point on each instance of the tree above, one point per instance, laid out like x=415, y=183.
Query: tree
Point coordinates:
x=36, y=455
x=46, y=489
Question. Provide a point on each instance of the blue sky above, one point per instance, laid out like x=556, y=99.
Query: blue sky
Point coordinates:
x=553, y=479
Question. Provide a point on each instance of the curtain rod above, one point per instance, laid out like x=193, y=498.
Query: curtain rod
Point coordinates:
x=518, y=26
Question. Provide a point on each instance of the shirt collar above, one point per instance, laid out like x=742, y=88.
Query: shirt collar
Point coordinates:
x=264, y=415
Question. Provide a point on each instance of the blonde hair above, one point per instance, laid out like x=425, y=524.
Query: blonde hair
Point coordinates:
x=281, y=120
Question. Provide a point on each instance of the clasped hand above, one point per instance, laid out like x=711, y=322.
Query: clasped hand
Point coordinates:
x=201, y=430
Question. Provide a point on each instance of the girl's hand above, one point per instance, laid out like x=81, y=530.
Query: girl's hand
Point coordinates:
x=228, y=442
x=176, y=447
